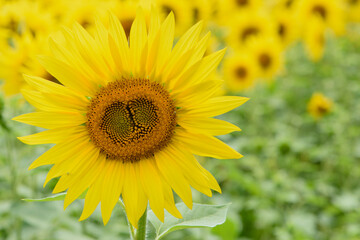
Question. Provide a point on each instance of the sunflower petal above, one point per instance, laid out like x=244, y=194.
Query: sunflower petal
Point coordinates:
x=217, y=106
x=174, y=178
x=50, y=120
x=55, y=135
x=204, y=145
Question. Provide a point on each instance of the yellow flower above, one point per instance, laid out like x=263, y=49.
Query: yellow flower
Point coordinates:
x=227, y=8
x=319, y=105
x=239, y=72
x=268, y=54
x=201, y=10
x=353, y=10
x=287, y=28
x=315, y=39
x=247, y=25
x=181, y=11
x=20, y=58
x=130, y=116
x=329, y=11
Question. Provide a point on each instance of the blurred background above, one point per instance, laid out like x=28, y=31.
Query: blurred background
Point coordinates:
x=299, y=63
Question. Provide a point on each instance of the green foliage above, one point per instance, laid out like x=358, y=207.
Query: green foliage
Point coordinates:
x=201, y=215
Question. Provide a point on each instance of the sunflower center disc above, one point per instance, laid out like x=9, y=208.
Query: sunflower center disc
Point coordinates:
x=131, y=119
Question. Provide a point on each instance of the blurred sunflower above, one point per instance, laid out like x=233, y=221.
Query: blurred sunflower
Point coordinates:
x=248, y=25
x=331, y=12
x=239, y=72
x=181, y=10
x=228, y=7
x=319, y=105
x=19, y=58
x=315, y=39
x=128, y=119
x=287, y=28
x=268, y=55
x=201, y=10
x=353, y=10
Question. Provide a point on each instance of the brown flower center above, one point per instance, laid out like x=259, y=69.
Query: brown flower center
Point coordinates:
x=248, y=32
x=320, y=10
x=241, y=73
x=264, y=60
x=242, y=3
x=131, y=119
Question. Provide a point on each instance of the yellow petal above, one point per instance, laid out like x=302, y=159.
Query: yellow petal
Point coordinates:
x=151, y=183
x=112, y=187
x=204, y=145
x=133, y=194
x=183, y=161
x=208, y=126
x=138, y=38
x=47, y=86
x=93, y=197
x=217, y=106
x=173, y=177
x=169, y=200
x=84, y=180
x=191, y=97
x=166, y=39
x=118, y=45
x=79, y=170
x=50, y=120
x=200, y=70
x=67, y=75
x=71, y=163
x=55, y=135
x=62, y=150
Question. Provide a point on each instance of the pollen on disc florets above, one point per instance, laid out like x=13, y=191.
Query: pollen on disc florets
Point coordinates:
x=131, y=119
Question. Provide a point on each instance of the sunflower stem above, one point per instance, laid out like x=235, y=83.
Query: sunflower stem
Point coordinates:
x=141, y=232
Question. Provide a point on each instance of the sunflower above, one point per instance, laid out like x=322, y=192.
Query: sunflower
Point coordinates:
x=331, y=12
x=268, y=54
x=315, y=40
x=227, y=7
x=20, y=58
x=181, y=10
x=353, y=10
x=130, y=116
x=319, y=105
x=239, y=71
x=286, y=26
x=247, y=25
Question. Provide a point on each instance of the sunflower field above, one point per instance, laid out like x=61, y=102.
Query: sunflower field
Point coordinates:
x=128, y=114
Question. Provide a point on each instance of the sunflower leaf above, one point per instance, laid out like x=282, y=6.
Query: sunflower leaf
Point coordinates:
x=200, y=216
x=54, y=197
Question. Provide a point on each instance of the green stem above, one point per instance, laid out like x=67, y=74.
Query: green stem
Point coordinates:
x=141, y=232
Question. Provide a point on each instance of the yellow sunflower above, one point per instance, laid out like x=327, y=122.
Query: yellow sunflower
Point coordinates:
x=130, y=116
x=239, y=72
x=315, y=39
x=228, y=7
x=181, y=10
x=20, y=58
x=268, y=54
x=287, y=28
x=319, y=105
x=353, y=10
x=331, y=12
x=247, y=25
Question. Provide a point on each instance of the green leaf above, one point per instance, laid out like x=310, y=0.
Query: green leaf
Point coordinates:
x=201, y=215
x=54, y=197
